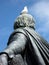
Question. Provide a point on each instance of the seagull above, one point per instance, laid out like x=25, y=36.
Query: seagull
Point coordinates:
x=25, y=10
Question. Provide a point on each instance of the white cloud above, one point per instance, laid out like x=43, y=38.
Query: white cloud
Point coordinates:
x=40, y=11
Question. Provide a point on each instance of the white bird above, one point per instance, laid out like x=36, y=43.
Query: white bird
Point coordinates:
x=25, y=10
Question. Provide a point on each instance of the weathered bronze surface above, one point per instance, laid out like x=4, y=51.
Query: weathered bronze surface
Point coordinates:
x=25, y=45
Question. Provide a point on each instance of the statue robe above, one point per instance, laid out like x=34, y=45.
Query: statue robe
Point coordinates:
x=33, y=49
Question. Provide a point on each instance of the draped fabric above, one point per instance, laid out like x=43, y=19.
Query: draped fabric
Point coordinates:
x=39, y=48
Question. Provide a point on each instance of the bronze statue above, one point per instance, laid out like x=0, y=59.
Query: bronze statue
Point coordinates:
x=25, y=45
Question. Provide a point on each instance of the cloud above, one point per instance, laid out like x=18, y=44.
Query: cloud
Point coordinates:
x=40, y=11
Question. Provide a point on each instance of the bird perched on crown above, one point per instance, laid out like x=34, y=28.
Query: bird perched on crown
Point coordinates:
x=25, y=46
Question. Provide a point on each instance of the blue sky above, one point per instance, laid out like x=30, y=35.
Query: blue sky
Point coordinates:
x=10, y=9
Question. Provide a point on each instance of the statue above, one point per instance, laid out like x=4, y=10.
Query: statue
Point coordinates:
x=25, y=46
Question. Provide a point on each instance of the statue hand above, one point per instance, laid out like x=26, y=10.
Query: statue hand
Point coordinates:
x=3, y=59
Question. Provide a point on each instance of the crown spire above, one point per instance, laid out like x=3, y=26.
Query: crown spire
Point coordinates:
x=25, y=10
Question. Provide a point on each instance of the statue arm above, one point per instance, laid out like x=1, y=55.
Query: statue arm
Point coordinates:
x=17, y=45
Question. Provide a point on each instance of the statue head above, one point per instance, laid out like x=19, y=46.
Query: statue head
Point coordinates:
x=24, y=20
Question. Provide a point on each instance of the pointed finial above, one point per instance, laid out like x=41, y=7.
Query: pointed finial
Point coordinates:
x=25, y=10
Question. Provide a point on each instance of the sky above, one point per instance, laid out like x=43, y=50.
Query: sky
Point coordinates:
x=10, y=9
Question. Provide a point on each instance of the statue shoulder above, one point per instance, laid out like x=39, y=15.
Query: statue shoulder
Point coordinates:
x=15, y=32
